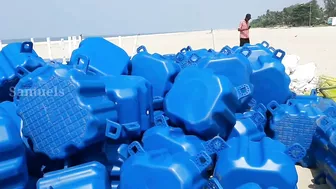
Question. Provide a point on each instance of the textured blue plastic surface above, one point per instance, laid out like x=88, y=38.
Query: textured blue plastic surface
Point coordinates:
x=264, y=163
x=326, y=105
x=71, y=110
x=16, y=60
x=294, y=125
x=257, y=50
x=326, y=139
x=180, y=169
x=158, y=70
x=251, y=124
x=90, y=175
x=203, y=103
x=323, y=151
x=13, y=166
x=105, y=57
x=270, y=79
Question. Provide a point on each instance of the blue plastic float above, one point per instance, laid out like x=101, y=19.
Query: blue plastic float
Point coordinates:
x=13, y=163
x=105, y=58
x=251, y=124
x=323, y=152
x=236, y=68
x=204, y=103
x=92, y=175
x=72, y=110
x=194, y=120
x=156, y=69
x=179, y=168
x=271, y=83
x=16, y=60
x=326, y=105
x=257, y=50
x=294, y=125
x=264, y=163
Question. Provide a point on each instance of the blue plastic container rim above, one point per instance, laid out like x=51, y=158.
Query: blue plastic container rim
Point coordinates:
x=26, y=47
x=186, y=49
x=142, y=48
x=226, y=50
x=279, y=54
x=247, y=50
x=265, y=44
x=82, y=63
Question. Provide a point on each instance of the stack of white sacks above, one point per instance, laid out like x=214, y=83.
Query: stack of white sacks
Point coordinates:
x=303, y=77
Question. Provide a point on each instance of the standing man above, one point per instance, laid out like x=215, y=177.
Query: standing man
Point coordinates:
x=244, y=28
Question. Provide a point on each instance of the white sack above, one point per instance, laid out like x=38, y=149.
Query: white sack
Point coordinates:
x=304, y=79
x=290, y=62
x=304, y=73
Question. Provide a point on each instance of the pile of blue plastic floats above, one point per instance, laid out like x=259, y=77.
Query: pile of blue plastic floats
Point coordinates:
x=198, y=119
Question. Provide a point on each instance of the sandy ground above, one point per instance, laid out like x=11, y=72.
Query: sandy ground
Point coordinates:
x=311, y=44
x=305, y=180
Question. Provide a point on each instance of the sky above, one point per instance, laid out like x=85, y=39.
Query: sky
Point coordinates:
x=59, y=18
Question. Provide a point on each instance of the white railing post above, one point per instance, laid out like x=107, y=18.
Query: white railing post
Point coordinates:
x=69, y=46
x=213, y=39
x=49, y=48
x=63, y=51
x=120, y=45
x=74, y=42
x=32, y=40
x=135, y=45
